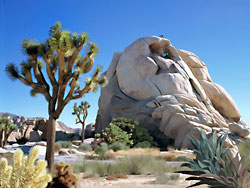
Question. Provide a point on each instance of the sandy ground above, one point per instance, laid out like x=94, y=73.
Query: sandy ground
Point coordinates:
x=133, y=181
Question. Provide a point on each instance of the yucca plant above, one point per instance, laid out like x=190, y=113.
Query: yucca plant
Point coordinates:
x=6, y=128
x=54, y=69
x=213, y=165
x=81, y=113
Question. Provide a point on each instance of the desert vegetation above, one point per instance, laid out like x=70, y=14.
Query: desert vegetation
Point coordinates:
x=6, y=127
x=214, y=165
x=64, y=67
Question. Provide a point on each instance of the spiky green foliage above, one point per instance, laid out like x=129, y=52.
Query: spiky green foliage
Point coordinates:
x=213, y=165
x=25, y=172
x=6, y=128
x=63, y=177
x=63, y=63
x=12, y=71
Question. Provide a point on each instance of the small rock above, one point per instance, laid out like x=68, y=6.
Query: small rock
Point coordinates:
x=239, y=130
x=63, y=152
x=74, y=151
x=41, y=143
x=76, y=142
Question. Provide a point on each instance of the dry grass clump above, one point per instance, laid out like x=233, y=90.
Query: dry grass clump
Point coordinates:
x=129, y=165
x=171, y=155
x=244, y=150
x=164, y=178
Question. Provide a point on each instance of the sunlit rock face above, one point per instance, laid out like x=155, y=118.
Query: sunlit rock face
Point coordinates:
x=169, y=91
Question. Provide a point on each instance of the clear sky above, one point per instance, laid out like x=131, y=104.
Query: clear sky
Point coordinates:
x=217, y=31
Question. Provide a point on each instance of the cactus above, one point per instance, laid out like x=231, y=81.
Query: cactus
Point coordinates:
x=63, y=177
x=213, y=166
x=24, y=173
x=6, y=127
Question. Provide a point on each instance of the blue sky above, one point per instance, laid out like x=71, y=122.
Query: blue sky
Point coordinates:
x=217, y=31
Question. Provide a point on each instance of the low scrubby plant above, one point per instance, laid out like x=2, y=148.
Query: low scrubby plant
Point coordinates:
x=85, y=147
x=65, y=144
x=244, y=150
x=63, y=177
x=127, y=131
x=214, y=166
x=131, y=165
x=144, y=144
x=113, y=134
x=118, y=146
x=142, y=138
x=25, y=172
x=57, y=147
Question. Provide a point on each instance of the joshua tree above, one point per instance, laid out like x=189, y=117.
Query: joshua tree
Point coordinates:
x=81, y=110
x=6, y=127
x=64, y=67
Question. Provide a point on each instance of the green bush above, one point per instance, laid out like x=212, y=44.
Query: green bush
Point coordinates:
x=144, y=144
x=85, y=147
x=118, y=146
x=114, y=134
x=142, y=137
x=65, y=144
x=126, y=124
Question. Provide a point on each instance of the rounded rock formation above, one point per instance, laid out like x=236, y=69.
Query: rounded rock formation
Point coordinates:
x=169, y=92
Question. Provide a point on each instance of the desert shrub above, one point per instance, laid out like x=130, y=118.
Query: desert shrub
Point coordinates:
x=142, y=137
x=85, y=147
x=25, y=172
x=57, y=146
x=63, y=177
x=164, y=178
x=65, y=144
x=113, y=134
x=101, y=149
x=118, y=146
x=126, y=124
x=22, y=140
x=132, y=165
x=144, y=144
x=244, y=150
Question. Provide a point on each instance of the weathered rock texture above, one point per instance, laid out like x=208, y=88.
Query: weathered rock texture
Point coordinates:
x=169, y=92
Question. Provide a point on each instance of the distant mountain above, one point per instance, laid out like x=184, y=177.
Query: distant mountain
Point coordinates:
x=18, y=120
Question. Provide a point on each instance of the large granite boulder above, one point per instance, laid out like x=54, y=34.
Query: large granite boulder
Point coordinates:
x=169, y=92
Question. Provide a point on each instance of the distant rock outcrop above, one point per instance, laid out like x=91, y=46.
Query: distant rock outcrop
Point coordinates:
x=34, y=129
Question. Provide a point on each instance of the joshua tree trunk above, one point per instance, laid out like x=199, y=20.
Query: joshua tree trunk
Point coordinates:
x=83, y=132
x=1, y=139
x=51, y=136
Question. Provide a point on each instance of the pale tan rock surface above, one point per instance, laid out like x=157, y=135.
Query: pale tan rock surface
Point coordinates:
x=169, y=92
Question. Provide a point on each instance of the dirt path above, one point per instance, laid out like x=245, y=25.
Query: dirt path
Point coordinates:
x=138, y=181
